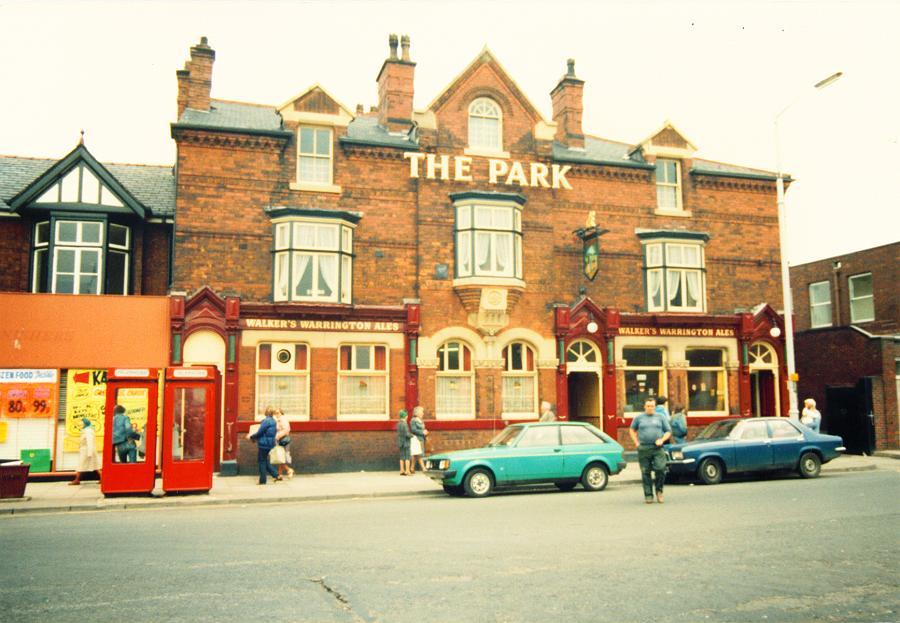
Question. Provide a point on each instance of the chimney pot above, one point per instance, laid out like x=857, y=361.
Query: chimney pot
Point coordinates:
x=392, y=42
x=204, y=41
x=571, y=72
x=404, y=44
x=359, y=109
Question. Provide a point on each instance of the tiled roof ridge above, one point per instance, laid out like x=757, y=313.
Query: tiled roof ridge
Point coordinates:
x=254, y=104
x=106, y=164
x=731, y=164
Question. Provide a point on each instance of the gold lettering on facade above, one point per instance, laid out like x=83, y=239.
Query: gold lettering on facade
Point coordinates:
x=506, y=172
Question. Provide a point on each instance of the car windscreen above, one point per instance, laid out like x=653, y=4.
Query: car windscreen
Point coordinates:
x=718, y=430
x=506, y=436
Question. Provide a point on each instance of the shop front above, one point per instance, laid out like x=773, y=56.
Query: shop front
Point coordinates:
x=712, y=366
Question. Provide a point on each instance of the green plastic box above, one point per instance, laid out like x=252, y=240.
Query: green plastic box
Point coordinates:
x=39, y=459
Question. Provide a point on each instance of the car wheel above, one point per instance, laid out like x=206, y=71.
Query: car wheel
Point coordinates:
x=454, y=490
x=565, y=486
x=810, y=465
x=478, y=483
x=595, y=477
x=711, y=471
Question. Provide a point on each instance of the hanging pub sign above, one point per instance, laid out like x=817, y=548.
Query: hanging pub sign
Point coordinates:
x=590, y=241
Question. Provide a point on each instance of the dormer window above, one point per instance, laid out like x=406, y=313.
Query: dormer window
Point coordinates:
x=668, y=184
x=485, y=125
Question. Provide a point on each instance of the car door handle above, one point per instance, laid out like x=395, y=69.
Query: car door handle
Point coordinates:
x=557, y=449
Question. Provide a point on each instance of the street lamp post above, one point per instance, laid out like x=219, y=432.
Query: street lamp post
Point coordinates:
x=793, y=411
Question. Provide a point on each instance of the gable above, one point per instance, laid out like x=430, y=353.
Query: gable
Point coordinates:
x=669, y=137
x=484, y=76
x=315, y=105
x=78, y=182
x=318, y=101
x=667, y=141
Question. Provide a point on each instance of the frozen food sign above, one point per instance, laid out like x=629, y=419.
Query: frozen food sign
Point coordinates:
x=500, y=171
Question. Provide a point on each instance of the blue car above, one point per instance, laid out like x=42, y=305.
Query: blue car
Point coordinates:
x=749, y=445
x=563, y=453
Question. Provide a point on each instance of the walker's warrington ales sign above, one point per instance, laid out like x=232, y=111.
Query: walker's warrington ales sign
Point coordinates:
x=678, y=331
x=320, y=325
x=507, y=172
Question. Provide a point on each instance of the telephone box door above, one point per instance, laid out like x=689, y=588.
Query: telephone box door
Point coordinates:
x=129, y=439
x=189, y=425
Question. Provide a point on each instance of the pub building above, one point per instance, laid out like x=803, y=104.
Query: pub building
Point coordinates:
x=473, y=257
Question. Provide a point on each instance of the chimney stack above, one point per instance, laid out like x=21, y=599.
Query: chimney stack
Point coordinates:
x=395, y=88
x=195, y=80
x=568, y=106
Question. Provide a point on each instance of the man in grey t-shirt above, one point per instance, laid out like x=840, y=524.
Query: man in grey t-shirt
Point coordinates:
x=649, y=431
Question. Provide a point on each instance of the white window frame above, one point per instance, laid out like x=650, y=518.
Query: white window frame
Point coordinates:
x=661, y=370
x=356, y=373
x=813, y=305
x=512, y=374
x=314, y=155
x=667, y=183
x=498, y=117
x=851, y=283
x=444, y=373
x=466, y=235
x=294, y=373
x=286, y=245
x=658, y=265
x=723, y=377
x=78, y=246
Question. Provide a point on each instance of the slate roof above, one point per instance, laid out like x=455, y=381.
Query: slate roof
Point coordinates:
x=153, y=186
x=366, y=131
x=235, y=116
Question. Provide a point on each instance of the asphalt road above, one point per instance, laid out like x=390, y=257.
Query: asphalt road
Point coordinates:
x=779, y=549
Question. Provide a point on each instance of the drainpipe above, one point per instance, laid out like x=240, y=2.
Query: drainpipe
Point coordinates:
x=836, y=285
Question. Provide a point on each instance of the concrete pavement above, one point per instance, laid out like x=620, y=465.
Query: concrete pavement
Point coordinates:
x=54, y=497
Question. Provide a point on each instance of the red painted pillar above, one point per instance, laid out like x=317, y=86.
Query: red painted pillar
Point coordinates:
x=744, y=336
x=412, y=352
x=230, y=381
x=610, y=330
x=561, y=319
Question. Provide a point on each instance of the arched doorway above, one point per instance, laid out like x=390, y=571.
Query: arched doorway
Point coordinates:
x=763, y=366
x=207, y=347
x=583, y=368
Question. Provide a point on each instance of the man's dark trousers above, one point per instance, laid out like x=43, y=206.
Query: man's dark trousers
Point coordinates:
x=652, y=457
x=264, y=466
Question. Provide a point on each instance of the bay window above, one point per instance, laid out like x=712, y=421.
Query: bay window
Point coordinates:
x=488, y=240
x=675, y=276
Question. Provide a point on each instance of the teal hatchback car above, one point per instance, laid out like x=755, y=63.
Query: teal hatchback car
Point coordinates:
x=564, y=453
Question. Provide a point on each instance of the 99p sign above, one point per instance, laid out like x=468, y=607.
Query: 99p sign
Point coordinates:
x=28, y=394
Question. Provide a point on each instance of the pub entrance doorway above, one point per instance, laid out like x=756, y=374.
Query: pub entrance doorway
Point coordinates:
x=583, y=368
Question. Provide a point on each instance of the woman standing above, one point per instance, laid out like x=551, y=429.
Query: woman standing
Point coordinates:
x=417, y=442
x=403, y=437
x=283, y=438
x=88, y=461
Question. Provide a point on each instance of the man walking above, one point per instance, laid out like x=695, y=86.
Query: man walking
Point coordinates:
x=649, y=431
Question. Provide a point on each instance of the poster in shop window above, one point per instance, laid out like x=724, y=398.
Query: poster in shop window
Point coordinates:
x=26, y=393
x=85, y=398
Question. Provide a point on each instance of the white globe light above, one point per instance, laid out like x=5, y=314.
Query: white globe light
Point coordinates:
x=592, y=327
x=775, y=332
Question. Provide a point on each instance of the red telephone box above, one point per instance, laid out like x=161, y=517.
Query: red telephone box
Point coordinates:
x=190, y=414
x=129, y=466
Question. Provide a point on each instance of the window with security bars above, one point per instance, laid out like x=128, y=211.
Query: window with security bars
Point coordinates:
x=675, y=276
x=485, y=125
x=363, y=387
x=519, y=382
x=455, y=383
x=282, y=379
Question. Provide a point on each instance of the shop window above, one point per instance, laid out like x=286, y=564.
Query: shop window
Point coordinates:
x=675, y=276
x=71, y=256
x=820, y=304
x=488, y=240
x=862, y=301
x=363, y=382
x=314, y=156
x=455, y=383
x=645, y=377
x=485, y=125
x=519, y=382
x=707, y=386
x=313, y=261
x=282, y=379
x=668, y=184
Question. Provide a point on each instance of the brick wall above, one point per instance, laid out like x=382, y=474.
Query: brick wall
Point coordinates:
x=15, y=244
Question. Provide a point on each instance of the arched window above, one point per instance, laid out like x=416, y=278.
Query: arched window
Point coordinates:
x=584, y=353
x=519, y=382
x=762, y=356
x=455, y=383
x=485, y=125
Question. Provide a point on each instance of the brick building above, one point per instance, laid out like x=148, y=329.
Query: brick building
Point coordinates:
x=472, y=257
x=847, y=335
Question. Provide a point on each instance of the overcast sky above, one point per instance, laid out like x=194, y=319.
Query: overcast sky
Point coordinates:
x=719, y=71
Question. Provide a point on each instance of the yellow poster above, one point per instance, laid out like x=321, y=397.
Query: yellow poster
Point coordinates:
x=85, y=397
x=136, y=401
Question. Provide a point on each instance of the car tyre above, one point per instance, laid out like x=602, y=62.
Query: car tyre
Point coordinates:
x=595, y=477
x=565, y=486
x=810, y=465
x=454, y=490
x=711, y=471
x=478, y=483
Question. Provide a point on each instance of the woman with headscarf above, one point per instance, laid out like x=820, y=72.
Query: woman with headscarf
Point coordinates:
x=403, y=437
x=417, y=441
x=88, y=461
